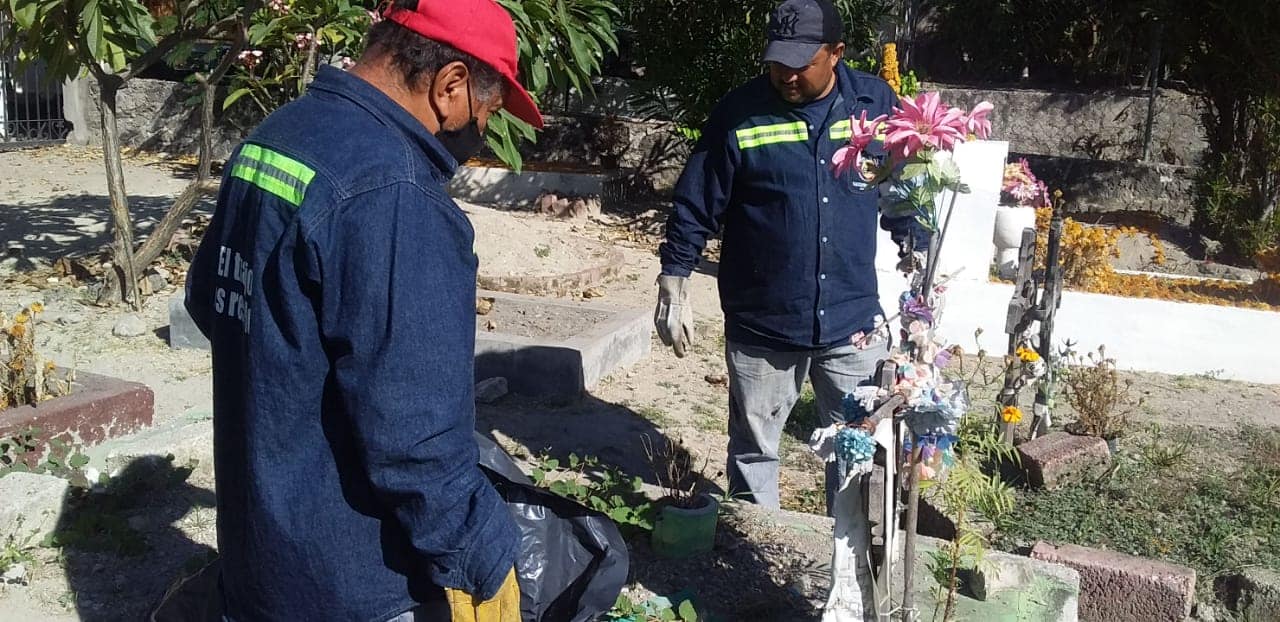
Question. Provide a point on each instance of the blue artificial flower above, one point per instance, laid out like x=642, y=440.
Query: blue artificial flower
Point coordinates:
x=854, y=445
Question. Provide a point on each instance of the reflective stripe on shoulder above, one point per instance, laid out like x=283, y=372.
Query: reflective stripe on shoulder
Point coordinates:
x=761, y=135
x=273, y=172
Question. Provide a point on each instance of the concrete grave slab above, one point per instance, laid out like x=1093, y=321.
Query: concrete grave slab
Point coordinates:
x=98, y=408
x=1116, y=586
x=183, y=333
x=576, y=345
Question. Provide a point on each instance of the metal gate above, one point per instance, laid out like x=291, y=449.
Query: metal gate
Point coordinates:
x=30, y=106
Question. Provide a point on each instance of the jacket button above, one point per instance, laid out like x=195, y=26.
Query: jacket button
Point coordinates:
x=821, y=312
x=824, y=239
x=822, y=161
x=822, y=277
x=826, y=200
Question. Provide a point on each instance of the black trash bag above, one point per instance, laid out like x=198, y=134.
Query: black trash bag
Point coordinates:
x=572, y=563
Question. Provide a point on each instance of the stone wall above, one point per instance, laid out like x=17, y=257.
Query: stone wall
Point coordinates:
x=1085, y=144
x=1106, y=125
x=152, y=115
x=1107, y=186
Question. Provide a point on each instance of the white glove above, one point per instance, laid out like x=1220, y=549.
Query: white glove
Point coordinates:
x=674, y=315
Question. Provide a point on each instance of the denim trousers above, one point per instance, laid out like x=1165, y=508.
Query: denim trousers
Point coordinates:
x=764, y=386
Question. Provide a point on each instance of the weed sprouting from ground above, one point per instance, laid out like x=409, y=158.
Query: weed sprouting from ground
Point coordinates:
x=1167, y=502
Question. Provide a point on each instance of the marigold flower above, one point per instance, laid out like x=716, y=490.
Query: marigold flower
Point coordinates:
x=17, y=331
x=21, y=317
x=36, y=307
x=1011, y=414
x=1027, y=355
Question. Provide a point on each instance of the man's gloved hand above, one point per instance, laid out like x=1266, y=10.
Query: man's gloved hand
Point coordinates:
x=674, y=316
x=504, y=607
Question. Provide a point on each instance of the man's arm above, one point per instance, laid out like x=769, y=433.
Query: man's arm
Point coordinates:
x=398, y=317
x=700, y=199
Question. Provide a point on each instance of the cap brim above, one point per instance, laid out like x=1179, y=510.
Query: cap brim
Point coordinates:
x=793, y=54
x=520, y=103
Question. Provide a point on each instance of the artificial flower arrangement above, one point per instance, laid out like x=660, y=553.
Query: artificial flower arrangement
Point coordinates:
x=1022, y=188
x=917, y=175
x=919, y=138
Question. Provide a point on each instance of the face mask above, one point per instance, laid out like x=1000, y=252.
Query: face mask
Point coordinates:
x=463, y=143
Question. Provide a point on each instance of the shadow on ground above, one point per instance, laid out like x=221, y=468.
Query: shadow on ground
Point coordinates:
x=121, y=546
x=74, y=224
x=736, y=581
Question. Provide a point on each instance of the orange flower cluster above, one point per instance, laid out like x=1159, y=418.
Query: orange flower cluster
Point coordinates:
x=1086, y=254
x=889, y=67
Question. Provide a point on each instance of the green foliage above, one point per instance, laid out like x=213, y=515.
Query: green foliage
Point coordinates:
x=60, y=459
x=16, y=550
x=696, y=51
x=656, y=610
x=288, y=42
x=69, y=34
x=603, y=488
x=562, y=44
x=1218, y=512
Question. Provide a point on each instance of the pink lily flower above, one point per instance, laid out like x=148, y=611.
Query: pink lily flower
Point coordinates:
x=863, y=134
x=923, y=123
x=978, y=124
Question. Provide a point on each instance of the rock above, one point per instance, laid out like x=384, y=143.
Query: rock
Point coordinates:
x=15, y=575
x=1056, y=459
x=592, y=292
x=1254, y=593
x=156, y=282
x=68, y=318
x=32, y=504
x=491, y=390
x=183, y=332
x=1115, y=586
x=719, y=380
x=129, y=325
x=484, y=305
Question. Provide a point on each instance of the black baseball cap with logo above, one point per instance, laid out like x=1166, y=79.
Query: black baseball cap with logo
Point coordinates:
x=799, y=28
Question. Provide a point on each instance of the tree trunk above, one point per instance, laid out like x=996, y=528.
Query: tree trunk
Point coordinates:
x=122, y=279
x=190, y=197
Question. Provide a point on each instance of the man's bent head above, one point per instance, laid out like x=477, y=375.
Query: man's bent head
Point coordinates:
x=805, y=45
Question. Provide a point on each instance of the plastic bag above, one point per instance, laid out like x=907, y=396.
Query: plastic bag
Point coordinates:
x=571, y=567
x=573, y=561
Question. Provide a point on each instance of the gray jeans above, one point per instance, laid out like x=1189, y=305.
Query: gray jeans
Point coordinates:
x=764, y=385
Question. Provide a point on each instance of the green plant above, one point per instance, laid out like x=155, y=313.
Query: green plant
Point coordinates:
x=542, y=251
x=287, y=41
x=562, y=44
x=603, y=488
x=1101, y=399
x=967, y=489
x=687, y=80
x=18, y=454
x=653, y=610
x=17, y=550
x=1160, y=452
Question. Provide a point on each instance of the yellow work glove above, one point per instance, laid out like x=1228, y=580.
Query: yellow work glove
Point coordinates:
x=504, y=607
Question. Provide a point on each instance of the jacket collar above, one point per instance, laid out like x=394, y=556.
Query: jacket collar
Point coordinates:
x=342, y=84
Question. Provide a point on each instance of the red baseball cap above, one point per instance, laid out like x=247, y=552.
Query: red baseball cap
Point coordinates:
x=480, y=28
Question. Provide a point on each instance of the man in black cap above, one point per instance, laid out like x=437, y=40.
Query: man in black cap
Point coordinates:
x=797, y=267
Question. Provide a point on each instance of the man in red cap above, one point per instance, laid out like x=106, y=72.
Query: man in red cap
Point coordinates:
x=336, y=284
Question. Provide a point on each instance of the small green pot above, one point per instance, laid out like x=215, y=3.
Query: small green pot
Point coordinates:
x=680, y=532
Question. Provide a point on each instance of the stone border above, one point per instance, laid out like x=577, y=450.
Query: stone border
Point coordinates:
x=551, y=368
x=98, y=408
x=558, y=284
